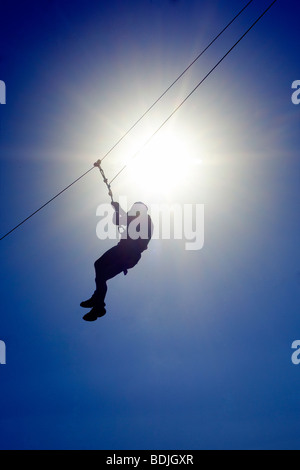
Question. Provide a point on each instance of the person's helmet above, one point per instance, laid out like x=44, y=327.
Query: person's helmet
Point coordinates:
x=138, y=203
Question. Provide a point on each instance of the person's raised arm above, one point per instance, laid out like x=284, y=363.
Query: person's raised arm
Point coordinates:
x=120, y=216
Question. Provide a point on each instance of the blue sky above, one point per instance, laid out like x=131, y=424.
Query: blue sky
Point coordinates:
x=195, y=350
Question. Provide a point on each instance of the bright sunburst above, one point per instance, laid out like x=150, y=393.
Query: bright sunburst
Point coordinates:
x=163, y=166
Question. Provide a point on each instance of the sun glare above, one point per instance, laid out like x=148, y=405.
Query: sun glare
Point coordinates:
x=163, y=166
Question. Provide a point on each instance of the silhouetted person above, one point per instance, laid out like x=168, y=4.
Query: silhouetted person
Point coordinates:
x=125, y=255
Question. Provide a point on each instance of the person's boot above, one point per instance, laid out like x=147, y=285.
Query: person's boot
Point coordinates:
x=95, y=313
x=89, y=303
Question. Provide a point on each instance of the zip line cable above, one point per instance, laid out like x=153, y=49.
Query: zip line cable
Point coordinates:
x=196, y=87
x=48, y=202
x=166, y=120
x=176, y=80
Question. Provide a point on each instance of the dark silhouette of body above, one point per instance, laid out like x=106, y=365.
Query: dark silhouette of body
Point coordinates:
x=125, y=255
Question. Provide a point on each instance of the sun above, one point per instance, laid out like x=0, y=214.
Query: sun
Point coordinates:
x=163, y=166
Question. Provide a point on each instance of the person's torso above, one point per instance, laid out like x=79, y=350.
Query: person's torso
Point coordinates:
x=137, y=234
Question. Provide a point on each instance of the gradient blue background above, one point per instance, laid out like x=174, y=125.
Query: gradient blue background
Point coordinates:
x=195, y=351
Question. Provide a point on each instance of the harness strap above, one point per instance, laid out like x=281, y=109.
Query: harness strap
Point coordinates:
x=98, y=165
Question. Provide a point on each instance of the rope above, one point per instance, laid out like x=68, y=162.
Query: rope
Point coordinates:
x=98, y=165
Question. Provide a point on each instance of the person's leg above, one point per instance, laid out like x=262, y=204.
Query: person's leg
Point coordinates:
x=106, y=267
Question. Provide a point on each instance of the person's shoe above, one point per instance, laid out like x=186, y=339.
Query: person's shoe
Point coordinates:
x=95, y=313
x=90, y=303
